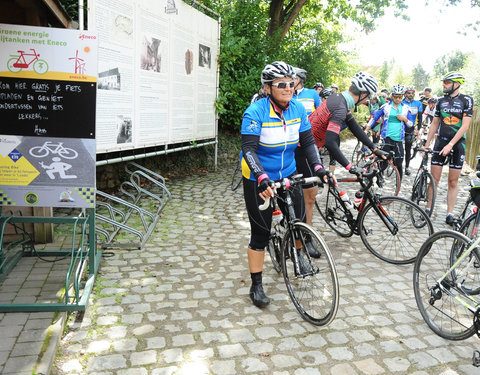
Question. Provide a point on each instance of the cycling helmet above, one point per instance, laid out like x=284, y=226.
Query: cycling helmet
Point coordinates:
x=398, y=89
x=301, y=73
x=334, y=86
x=454, y=77
x=409, y=88
x=427, y=89
x=317, y=85
x=325, y=93
x=277, y=69
x=365, y=82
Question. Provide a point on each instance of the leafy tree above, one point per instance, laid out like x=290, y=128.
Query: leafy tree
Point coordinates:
x=420, y=77
x=384, y=74
x=452, y=62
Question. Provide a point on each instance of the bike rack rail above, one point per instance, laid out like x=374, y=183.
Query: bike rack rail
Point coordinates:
x=82, y=268
x=133, y=213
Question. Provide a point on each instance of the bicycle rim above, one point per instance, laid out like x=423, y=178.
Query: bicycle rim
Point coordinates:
x=274, y=250
x=316, y=294
x=399, y=246
x=333, y=214
x=444, y=315
x=236, y=177
x=420, y=192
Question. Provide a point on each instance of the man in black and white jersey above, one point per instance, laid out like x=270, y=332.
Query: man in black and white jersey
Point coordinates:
x=453, y=114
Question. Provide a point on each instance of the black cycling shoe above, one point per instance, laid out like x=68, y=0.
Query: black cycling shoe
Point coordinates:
x=407, y=172
x=312, y=250
x=257, y=295
x=449, y=219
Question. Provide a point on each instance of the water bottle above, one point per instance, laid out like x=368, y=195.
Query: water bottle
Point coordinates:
x=358, y=199
x=277, y=217
x=348, y=203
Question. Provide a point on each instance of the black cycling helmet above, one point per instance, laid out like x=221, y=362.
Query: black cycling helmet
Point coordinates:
x=300, y=73
x=325, y=93
x=277, y=69
x=317, y=85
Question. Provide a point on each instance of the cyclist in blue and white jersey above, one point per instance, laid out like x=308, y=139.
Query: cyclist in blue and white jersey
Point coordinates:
x=308, y=97
x=272, y=127
x=452, y=119
x=415, y=115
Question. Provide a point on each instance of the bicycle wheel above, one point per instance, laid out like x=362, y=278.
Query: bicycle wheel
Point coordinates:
x=468, y=227
x=414, y=145
x=236, y=177
x=315, y=294
x=332, y=211
x=39, y=151
x=391, y=234
x=357, y=154
x=388, y=180
x=10, y=66
x=420, y=191
x=68, y=153
x=444, y=315
x=274, y=248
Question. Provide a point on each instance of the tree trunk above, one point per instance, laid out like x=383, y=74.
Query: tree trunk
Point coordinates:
x=281, y=19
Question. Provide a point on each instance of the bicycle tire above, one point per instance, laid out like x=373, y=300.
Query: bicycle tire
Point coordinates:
x=413, y=153
x=443, y=314
x=333, y=213
x=315, y=296
x=68, y=153
x=420, y=191
x=388, y=180
x=467, y=226
x=10, y=63
x=467, y=209
x=236, y=177
x=274, y=249
x=401, y=246
x=38, y=151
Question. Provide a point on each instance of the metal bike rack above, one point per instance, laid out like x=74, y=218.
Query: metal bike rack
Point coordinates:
x=133, y=213
x=84, y=258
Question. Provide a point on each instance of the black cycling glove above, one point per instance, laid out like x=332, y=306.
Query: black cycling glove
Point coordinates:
x=264, y=184
x=322, y=172
x=356, y=170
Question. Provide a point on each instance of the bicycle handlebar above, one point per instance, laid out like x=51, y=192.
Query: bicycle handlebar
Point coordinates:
x=286, y=182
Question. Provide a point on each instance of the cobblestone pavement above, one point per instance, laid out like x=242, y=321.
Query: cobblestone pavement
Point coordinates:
x=181, y=306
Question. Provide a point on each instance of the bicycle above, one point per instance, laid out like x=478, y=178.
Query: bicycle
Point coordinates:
x=311, y=283
x=424, y=190
x=389, y=226
x=419, y=140
x=55, y=148
x=361, y=153
x=469, y=208
x=18, y=62
x=470, y=225
x=446, y=277
x=236, y=176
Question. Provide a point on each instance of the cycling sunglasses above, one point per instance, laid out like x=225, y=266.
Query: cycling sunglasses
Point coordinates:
x=283, y=85
x=397, y=96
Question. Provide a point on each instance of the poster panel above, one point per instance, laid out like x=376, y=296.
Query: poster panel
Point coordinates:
x=157, y=73
x=47, y=108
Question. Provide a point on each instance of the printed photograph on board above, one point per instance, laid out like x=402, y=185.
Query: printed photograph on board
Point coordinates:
x=204, y=56
x=150, y=55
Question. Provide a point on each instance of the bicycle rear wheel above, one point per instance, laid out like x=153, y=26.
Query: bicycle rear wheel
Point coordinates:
x=236, y=177
x=274, y=249
x=420, y=191
x=391, y=234
x=332, y=211
x=444, y=315
x=315, y=294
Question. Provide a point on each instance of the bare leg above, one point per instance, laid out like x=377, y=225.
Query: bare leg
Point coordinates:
x=309, y=196
x=453, y=175
x=255, y=260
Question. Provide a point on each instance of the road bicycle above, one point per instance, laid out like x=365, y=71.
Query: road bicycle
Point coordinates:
x=424, y=190
x=361, y=153
x=419, y=140
x=392, y=228
x=446, y=282
x=18, y=62
x=236, y=176
x=53, y=148
x=311, y=283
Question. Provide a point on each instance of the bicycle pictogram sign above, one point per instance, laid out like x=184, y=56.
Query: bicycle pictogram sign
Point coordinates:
x=23, y=61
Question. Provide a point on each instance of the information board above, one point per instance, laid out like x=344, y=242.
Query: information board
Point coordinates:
x=157, y=80
x=47, y=110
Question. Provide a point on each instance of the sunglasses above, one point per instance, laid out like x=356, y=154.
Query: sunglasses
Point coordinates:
x=283, y=85
x=397, y=96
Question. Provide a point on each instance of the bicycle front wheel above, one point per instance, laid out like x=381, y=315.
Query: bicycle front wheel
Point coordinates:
x=392, y=234
x=332, y=211
x=236, y=177
x=420, y=191
x=315, y=291
x=445, y=315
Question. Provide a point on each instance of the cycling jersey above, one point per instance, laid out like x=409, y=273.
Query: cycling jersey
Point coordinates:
x=415, y=110
x=384, y=112
x=451, y=112
x=309, y=98
x=272, y=148
x=327, y=121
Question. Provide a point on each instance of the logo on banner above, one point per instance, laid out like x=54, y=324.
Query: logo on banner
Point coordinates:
x=31, y=199
x=15, y=155
x=171, y=8
x=17, y=63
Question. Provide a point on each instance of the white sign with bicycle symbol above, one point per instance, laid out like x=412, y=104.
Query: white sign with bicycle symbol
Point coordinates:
x=57, y=167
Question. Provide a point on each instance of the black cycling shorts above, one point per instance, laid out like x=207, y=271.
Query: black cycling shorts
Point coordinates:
x=261, y=221
x=457, y=158
x=395, y=146
x=303, y=167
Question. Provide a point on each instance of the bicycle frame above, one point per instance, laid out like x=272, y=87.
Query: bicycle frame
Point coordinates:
x=19, y=64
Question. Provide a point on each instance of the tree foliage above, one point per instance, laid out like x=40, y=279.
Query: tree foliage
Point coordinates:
x=420, y=77
x=451, y=62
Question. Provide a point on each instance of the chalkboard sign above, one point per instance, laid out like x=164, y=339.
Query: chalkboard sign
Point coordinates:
x=33, y=107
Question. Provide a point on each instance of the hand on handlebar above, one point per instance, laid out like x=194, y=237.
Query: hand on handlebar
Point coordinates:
x=358, y=171
x=265, y=188
x=325, y=175
x=381, y=154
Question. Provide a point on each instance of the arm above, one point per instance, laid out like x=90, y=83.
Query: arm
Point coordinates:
x=249, y=148
x=332, y=140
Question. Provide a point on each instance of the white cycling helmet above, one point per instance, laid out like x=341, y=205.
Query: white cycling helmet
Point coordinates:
x=277, y=69
x=365, y=82
x=409, y=88
x=398, y=89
